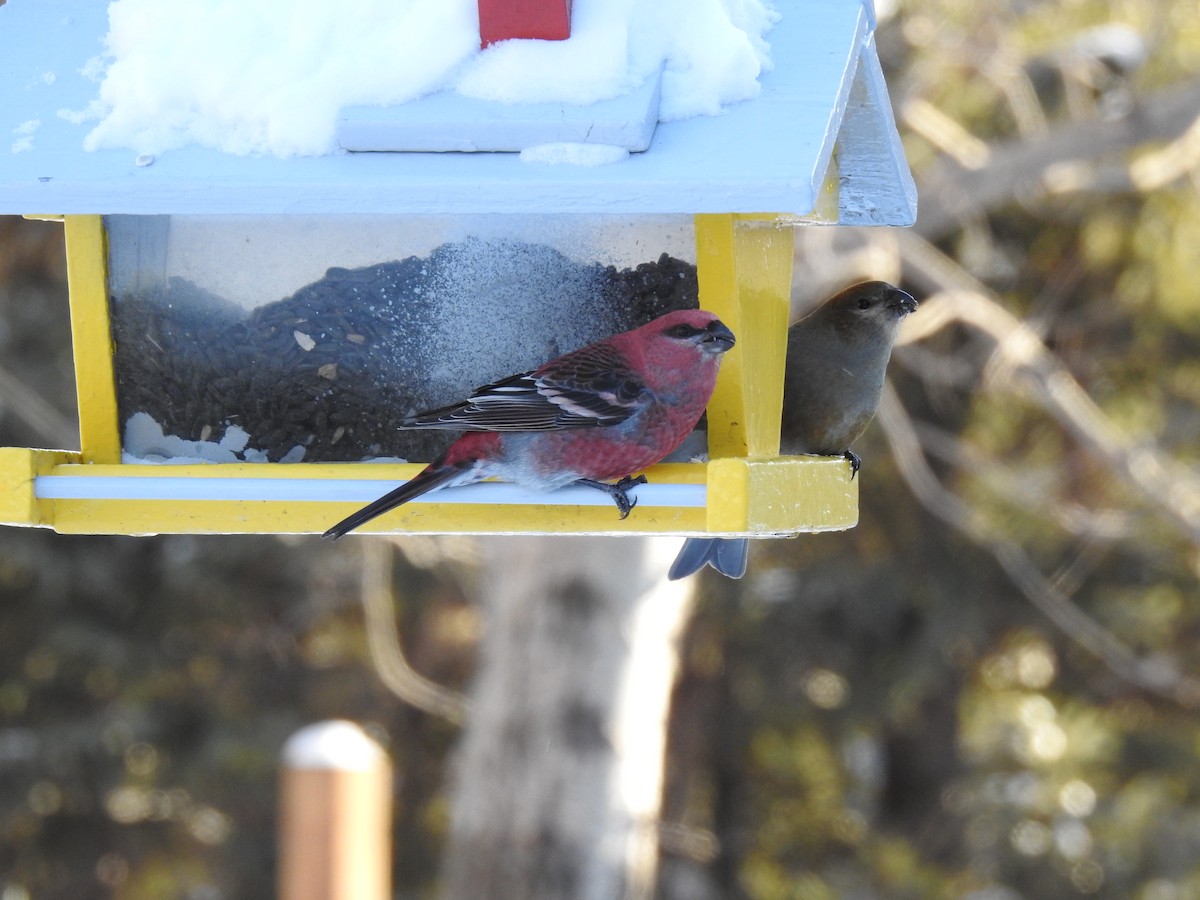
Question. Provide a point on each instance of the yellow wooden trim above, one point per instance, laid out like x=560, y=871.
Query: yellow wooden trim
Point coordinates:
x=133, y=516
x=781, y=496
x=761, y=497
x=826, y=206
x=91, y=336
x=827, y=209
x=272, y=517
x=744, y=269
x=18, y=468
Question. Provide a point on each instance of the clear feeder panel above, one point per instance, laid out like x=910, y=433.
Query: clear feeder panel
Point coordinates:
x=307, y=338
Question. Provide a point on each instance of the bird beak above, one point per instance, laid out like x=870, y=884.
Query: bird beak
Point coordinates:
x=902, y=300
x=718, y=337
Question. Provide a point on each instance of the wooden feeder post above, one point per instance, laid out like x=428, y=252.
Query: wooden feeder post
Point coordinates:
x=335, y=815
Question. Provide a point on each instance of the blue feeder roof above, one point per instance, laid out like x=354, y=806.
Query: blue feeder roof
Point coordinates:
x=770, y=154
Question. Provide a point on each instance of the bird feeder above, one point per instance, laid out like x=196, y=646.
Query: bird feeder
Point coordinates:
x=247, y=329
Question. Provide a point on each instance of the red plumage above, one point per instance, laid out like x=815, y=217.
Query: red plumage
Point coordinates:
x=588, y=417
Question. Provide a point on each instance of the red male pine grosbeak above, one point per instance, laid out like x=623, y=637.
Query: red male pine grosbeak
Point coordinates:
x=602, y=412
x=833, y=377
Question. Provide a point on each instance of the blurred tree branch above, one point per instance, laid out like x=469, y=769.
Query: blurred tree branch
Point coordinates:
x=1097, y=526
x=1018, y=358
x=1053, y=599
x=1065, y=157
x=958, y=297
x=57, y=430
x=387, y=654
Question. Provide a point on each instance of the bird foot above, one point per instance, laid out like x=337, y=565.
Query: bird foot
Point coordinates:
x=855, y=463
x=619, y=492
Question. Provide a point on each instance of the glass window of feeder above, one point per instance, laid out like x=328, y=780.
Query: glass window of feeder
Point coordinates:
x=288, y=338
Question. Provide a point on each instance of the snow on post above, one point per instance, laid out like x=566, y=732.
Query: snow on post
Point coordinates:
x=334, y=815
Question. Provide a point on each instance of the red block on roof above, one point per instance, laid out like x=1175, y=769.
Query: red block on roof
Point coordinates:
x=547, y=20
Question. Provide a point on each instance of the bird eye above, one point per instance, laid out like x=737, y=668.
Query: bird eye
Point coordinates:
x=864, y=303
x=682, y=331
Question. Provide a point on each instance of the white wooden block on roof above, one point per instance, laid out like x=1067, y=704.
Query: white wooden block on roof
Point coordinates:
x=770, y=154
x=449, y=122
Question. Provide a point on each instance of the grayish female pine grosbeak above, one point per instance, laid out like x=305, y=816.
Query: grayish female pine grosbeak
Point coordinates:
x=833, y=377
x=597, y=414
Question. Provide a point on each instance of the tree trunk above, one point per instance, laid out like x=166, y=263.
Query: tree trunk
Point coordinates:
x=559, y=775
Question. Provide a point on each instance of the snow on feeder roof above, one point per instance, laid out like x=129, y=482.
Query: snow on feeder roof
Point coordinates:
x=196, y=87
x=247, y=290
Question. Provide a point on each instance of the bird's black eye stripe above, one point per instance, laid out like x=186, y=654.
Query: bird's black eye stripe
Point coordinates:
x=682, y=331
x=864, y=303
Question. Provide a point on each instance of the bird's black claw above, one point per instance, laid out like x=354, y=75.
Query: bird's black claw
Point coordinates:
x=619, y=491
x=623, y=501
x=627, y=482
x=855, y=463
x=620, y=494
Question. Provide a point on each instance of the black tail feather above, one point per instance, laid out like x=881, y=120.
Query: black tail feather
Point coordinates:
x=731, y=557
x=434, y=476
x=727, y=555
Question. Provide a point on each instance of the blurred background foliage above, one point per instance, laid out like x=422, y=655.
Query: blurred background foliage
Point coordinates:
x=986, y=690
